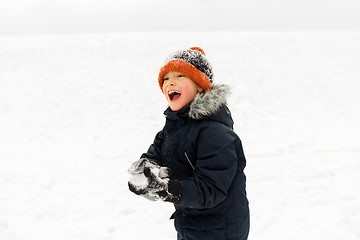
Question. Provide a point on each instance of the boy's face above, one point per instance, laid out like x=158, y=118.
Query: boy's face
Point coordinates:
x=179, y=90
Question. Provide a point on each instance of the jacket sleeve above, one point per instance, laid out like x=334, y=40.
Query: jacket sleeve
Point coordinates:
x=216, y=167
x=154, y=151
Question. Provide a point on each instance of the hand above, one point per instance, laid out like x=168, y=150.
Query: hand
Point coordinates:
x=140, y=165
x=161, y=188
x=139, y=183
x=151, y=181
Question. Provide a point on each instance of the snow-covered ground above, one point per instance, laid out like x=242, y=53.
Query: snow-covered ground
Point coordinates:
x=76, y=111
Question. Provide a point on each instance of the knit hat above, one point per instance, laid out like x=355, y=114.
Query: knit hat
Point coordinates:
x=192, y=63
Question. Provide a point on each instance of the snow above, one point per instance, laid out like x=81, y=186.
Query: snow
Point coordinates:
x=76, y=111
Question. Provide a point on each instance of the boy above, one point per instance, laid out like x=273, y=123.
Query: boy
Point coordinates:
x=197, y=160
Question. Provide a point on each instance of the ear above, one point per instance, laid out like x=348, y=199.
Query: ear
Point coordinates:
x=200, y=90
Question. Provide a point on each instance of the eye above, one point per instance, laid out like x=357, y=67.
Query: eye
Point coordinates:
x=164, y=79
x=181, y=75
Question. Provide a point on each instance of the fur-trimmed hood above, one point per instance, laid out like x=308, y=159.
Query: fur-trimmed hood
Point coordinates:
x=209, y=105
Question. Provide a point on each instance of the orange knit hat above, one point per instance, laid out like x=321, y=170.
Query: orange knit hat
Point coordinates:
x=191, y=63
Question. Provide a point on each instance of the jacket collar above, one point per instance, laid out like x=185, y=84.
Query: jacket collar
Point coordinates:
x=204, y=105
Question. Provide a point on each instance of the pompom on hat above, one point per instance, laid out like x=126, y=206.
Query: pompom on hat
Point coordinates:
x=192, y=63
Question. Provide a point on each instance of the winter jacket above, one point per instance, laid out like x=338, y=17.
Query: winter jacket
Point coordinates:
x=204, y=153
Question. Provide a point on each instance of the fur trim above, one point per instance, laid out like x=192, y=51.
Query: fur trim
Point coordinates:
x=208, y=103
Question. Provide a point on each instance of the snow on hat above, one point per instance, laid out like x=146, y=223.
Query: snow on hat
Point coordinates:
x=191, y=63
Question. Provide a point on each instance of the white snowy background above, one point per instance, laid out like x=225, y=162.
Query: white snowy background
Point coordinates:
x=76, y=111
x=79, y=102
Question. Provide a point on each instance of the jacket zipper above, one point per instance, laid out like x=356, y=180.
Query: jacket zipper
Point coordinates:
x=192, y=166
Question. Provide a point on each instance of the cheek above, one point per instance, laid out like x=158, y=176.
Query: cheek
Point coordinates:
x=190, y=92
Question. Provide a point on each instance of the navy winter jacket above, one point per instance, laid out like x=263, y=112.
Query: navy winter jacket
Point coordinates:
x=204, y=153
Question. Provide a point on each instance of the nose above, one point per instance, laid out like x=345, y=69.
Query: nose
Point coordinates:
x=169, y=83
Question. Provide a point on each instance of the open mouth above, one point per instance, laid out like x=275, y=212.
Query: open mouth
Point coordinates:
x=174, y=95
